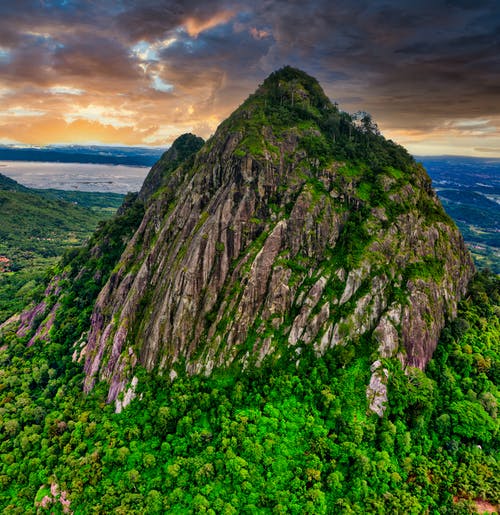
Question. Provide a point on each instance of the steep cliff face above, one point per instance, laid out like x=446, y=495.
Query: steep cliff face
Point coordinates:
x=84, y=271
x=293, y=226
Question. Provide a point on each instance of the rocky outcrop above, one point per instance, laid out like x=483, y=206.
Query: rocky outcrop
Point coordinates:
x=267, y=239
x=376, y=391
x=40, y=317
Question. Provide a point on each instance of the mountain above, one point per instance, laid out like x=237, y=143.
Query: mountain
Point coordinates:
x=275, y=238
x=272, y=302
x=295, y=226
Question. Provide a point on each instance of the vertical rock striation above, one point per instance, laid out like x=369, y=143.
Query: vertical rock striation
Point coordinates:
x=291, y=226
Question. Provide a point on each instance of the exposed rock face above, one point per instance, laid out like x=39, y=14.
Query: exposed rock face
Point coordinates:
x=40, y=317
x=376, y=391
x=260, y=242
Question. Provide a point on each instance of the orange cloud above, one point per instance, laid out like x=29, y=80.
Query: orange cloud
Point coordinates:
x=440, y=140
x=55, y=130
x=195, y=26
x=259, y=34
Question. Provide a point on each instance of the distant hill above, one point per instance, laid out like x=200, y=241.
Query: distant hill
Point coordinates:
x=130, y=156
x=8, y=184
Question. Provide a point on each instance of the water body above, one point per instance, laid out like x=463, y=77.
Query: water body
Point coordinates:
x=76, y=176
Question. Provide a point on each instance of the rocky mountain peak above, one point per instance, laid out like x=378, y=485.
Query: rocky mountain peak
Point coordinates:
x=295, y=228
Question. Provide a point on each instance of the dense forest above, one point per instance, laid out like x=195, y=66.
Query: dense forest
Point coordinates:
x=278, y=439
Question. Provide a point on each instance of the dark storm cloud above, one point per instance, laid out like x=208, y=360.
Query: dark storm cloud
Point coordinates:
x=427, y=60
x=415, y=65
x=94, y=55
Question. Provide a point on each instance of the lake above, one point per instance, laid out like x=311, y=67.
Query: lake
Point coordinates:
x=76, y=176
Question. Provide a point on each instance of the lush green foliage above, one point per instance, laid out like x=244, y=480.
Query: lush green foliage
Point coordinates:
x=290, y=97
x=97, y=201
x=182, y=150
x=278, y=439
x=37, y=227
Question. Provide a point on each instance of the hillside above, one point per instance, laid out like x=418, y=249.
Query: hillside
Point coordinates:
x=37, y=227
x=8, y=184
x=281, y=321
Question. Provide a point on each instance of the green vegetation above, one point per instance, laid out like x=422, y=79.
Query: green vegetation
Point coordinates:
x=97, y=201
x=291, y=98
x=8, y=184
x=86, y=270
x=182, y=150
x=37, y=227
x=278, y=439
x=294, y=435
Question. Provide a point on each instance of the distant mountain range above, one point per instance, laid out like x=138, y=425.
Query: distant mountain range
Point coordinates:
x=130, y=156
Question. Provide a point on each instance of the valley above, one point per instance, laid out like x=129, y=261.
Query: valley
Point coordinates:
x=469, y=189
x=37, y=227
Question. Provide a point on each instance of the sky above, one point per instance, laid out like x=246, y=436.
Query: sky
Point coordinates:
x=142, y=72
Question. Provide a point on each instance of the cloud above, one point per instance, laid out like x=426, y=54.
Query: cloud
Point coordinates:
x=423, y=69
x=149, y=20
x=259, y=33
x=65, y=90
x=493, y=150
x=195, y=26
x=21, y=111
x=47, y=130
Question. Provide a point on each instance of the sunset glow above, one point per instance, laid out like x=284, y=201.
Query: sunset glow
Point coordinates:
x=141, y=73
